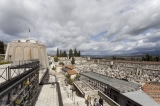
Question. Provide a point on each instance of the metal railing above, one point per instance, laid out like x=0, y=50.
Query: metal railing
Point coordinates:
x=17, y=68
x=107, y=99
x=23, y=62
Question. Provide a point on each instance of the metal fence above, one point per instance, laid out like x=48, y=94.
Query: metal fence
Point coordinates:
x=16, y=68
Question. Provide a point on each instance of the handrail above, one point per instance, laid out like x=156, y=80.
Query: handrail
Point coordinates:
x=10, y=72
x=15, y=81
x=78, y=88
x=107, y=99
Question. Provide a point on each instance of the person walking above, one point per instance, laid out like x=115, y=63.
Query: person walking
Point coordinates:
x=95, y=103
x=101, y=101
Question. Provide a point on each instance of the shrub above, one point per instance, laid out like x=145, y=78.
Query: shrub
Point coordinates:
x=55, y=58
x=61, y=63
x=70, y=81
x=6, y=62
x=54, y=68
x=68, y=76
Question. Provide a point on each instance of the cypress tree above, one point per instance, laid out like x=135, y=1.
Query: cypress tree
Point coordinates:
x=57, y=52
x=60, y=54
x=65, y=54
x=75, y=53
x=79, y=54
x=73, y=61
x=1, y=47
x=70, y=53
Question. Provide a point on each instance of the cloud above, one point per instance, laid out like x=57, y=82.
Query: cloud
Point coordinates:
x=93, y=26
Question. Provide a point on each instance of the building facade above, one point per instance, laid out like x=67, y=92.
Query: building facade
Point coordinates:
x=27, y=49
x=116, y=89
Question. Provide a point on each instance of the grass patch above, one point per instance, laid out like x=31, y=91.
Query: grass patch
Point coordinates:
x=6, y=62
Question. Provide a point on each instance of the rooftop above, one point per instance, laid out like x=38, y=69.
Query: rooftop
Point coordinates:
x=153, y=90
x=65, y=69
x=70, y=67
x=141, y=98
x=29, y=40
x=119, y=85
x=71, y=72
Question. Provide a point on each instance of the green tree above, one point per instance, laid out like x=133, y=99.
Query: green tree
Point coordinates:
x=75, y=53
x=147, y=57
x=61, y=63
x=60, y=55
x=79, y=54
x=1, y=47
x=65, y=54
x=57, y=52
x=54, y=68
x=143, y=58
x=132, y=58
x=150, y=58
x=73, y=60
x=158, y=58
x=77, y=77
x=68, y=76
x=70, y=53
x=70, y=81
x=114, y=58
x=55, y=58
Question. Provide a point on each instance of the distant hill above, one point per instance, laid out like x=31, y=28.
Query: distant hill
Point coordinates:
x=136, y=54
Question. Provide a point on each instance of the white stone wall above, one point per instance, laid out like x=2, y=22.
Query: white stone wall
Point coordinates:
x=73, y=76
x=25, y=51
x=58, y=69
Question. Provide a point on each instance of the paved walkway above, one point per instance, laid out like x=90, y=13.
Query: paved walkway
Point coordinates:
x=48, y=95
x=68, y=100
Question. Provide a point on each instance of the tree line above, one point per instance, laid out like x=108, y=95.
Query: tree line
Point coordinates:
x=72, y=53
x=148, y=57
x=61, y=53
x=1, y=47
x=117, y=58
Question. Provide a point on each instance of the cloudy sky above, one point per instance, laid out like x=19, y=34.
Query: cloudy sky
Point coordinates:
x=99, y=27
